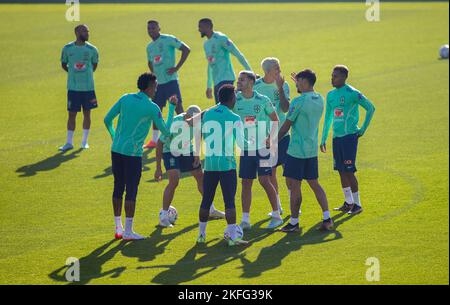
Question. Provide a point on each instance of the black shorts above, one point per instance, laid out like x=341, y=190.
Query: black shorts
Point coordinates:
x=252, y=163
x=301, y=169
x=78, y=99
x=228, y=184
x=344, y=153
x=127, y=175
x=181, y=163
x=165, y=91
x=283, y=146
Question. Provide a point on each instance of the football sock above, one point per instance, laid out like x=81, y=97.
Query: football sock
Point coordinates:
x=356, y=198
x=202, y=228
x=70, y=136
x=85, y=136
x=128, y=224
x=278, y=202
x=276, y=214
x=118, y=222
x=246, y=217
x=231, y=228
x=293, y=221
x=164, y=214
x=348, y=195
x=326, y=215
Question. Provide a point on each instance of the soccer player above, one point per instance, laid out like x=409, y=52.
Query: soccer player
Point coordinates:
x=273, y=86
x=220, y=164
x=79, y=59
x=256, y=112
x=161, y=61
x=343, y=111
x=136, y=113
x=180, y=158
x=301, y=161
x=217, y=49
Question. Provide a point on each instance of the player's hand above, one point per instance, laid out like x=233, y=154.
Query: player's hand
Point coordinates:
x=209, y=93
x=172, y=70
x=293, y=75
x=280, y=81
x=158, y=174
x=173, y=100
x=323, y=148
x=196, y=162
x=268, y=142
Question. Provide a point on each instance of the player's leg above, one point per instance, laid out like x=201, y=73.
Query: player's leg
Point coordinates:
x=247, y=172
x=210, y=182
x=89, y=103
x=175, y=90
x=169, y=192
x=73, y=107
x=133, y=170
x=118, y=170
x=339, y=165
x=228, y=184
x=198, y=176
x=295, y=204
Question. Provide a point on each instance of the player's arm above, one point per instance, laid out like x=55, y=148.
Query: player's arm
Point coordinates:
x=109, y=118
x=159, y=121
x=95, y=60
x=326, y=127
x=231, y=47
x=284, y=129
x=370, y=109
x=209, y=82
x=283, y=90
x=64, y=60
x=185, y=50
x=158, y=157
x=149, y=60
x=273, y=130
x=64, y=66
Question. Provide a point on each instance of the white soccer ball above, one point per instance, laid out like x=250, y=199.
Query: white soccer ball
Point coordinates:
x=239, y=233
x=173, y=214
x=443, y=52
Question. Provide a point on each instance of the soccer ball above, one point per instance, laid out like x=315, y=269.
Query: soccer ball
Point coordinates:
x=443, y=52
x=173, y=214
x=239, y=233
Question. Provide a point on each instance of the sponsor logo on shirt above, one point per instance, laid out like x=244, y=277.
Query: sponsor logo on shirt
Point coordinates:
x=157, y=59
x=250, y=120
x=338, y=113
x=211, y=59
x=79, y=66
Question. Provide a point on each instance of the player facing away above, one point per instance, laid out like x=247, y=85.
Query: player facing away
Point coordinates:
x=273, y=85
x=161, y=61
x=343, y=111
x=301, y=161
x=217, y=50
x=180, y=158
x=256, y=112
x=79, y=59
x=220, y=164
x=136, y=113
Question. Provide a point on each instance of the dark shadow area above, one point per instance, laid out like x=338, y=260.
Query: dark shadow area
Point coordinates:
x=91, y=265
x=191, y=267
x=272, y=256
x=48, y=164
x=154, y=245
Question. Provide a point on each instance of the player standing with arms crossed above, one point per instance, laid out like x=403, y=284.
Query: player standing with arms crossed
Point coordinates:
x=161, y=61
x=136, y=113
x=343, y=111
x=79, y=59
x=217, y=49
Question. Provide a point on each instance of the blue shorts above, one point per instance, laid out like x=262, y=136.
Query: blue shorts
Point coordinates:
x=282, y=150
x=78, y=99
x=127, y=174
x=228, y=184
x=344, y=153
x=164, y=91
x=217, y=87
x=181, y=163
x=301, y=169
x=252, y=163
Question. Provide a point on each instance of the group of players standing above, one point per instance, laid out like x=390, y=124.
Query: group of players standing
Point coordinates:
x=261, y=115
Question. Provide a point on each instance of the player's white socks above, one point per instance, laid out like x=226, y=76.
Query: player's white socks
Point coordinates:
x=326, y=215
x=293, y=221
x=231, y=228
x=118, y=222
x=70, y=136
x=279, y=202
x=85, y=136
x=128, y=225
x=348, y=195
x=356, y=198
x=163, y=214
x=155, y=135
x=276, y=214
x=246, y=217
x=202, y=228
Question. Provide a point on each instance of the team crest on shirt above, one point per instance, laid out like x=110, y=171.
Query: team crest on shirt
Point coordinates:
x=160, y=47
x=342, y=100
x=257, y=108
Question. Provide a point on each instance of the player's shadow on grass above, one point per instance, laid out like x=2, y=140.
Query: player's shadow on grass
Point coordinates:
x=47, y=164
x=145, y=161
x=154, y=245
x=203, y=259
x=272, y=256
x=91, y=265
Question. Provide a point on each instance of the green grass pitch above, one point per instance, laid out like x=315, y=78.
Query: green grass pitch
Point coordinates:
x=55, y=206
